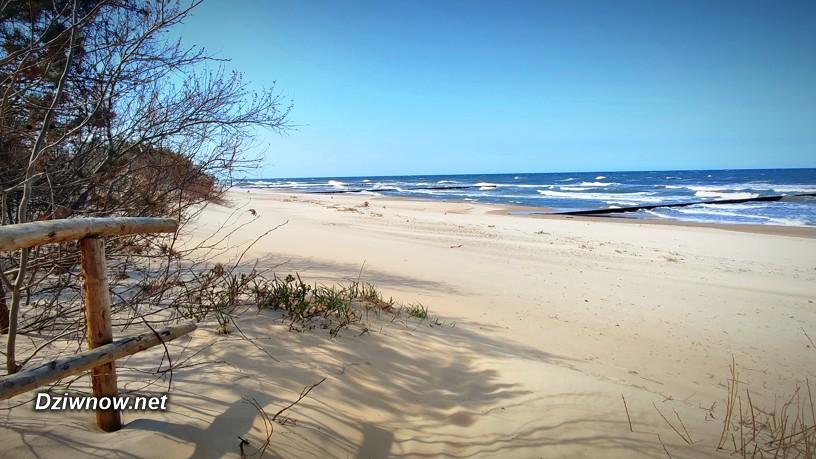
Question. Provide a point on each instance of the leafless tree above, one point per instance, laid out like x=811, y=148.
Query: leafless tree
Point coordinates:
x=101, y=114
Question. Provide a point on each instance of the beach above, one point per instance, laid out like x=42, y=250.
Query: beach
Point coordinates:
x=407, y=229
x=547, y=337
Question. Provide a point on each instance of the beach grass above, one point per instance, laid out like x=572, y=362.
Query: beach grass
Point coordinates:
x=417, y=311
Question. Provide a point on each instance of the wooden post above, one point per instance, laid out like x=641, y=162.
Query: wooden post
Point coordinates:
x=100, y=332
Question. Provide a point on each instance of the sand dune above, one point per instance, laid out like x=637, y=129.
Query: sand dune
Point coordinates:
x=543, y=324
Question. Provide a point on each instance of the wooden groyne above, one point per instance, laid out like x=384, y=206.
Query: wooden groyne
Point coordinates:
x=619, y=210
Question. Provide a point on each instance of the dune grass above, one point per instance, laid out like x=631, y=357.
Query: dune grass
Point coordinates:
x=417, y=311
x=788, y=430
x=333, y=307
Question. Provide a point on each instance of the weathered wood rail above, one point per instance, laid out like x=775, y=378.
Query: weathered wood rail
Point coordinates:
x=100, y=359
x=26, y=235
x=55, y=370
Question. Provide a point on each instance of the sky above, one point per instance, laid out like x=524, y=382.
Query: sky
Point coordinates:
x=443, y=87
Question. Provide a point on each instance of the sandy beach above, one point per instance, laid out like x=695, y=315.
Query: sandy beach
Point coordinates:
x=540, y=327
x=313, y=229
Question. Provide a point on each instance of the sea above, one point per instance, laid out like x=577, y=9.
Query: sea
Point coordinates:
x=573, y=191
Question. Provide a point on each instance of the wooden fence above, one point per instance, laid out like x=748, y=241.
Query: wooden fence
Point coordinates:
x=100, y=358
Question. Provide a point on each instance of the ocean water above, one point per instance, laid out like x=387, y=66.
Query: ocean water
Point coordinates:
x=599, y=190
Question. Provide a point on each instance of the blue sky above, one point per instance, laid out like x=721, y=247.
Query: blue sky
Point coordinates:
x=422, y=87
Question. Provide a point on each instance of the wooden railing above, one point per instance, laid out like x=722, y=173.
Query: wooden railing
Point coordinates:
x=103, y=351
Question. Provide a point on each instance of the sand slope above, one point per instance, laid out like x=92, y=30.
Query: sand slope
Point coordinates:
x=545, y=323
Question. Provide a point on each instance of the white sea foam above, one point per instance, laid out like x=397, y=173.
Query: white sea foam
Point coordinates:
x=485, y=188
x=574, y=188
x=732, y=213
x=729, y=217
x=690, y=215
x=748, y=186
x=732, y=187
x=714, y=211
x=512, y=185
x=716, y=187
x=266, y=184
x=622, y=203
x=600, y=177
x=740, y=206
x=724, y=195
x=656, y=213
x=611, y=198
x=787, y=222
x=598, y=184
x=447, y=181
x=409, y=191
x=794, y=188
x=336, y=183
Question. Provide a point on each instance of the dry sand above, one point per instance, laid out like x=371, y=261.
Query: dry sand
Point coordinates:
x=544, y=325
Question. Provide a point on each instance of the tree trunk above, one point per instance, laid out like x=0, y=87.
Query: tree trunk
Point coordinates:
x=4, y=312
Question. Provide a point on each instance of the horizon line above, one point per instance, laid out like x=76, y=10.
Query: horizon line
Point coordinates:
x=533, y=173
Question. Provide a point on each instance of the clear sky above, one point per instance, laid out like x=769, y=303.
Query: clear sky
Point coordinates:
x=422, y=87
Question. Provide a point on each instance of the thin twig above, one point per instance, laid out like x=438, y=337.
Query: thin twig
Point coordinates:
x=664, y=446
x=303, y=395
x=269, y=422
x=671, y=425
x=627, y=414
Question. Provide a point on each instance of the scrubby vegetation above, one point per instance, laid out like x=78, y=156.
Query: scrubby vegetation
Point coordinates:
x=102, y=114
x=220, y=292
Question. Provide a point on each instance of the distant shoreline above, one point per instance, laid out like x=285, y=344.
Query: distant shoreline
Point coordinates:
x=758, y=196
x=545, y=213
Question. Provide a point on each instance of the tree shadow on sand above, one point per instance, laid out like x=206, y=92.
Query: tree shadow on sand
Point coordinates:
x=414, y=391
x=402, y=389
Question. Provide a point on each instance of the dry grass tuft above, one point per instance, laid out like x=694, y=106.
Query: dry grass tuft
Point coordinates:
x=785, y=431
